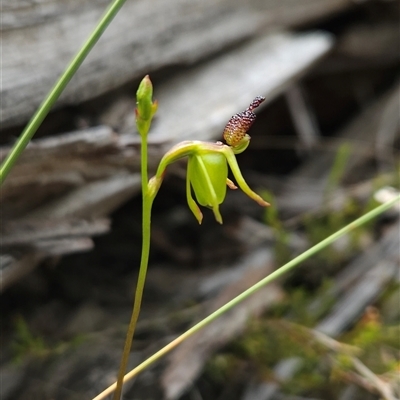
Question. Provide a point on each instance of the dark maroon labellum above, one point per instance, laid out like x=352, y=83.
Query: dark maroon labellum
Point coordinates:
x=240, y=123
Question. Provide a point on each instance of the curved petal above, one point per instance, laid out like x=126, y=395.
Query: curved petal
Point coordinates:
x=239, y=178
x=191, y=203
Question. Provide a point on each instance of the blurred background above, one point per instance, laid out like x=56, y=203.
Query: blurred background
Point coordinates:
x=324, y=150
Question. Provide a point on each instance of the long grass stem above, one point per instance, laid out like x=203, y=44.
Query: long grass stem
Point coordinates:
x=268, y=279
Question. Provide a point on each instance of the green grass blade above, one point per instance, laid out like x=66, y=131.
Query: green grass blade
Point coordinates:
x=268, y=279
x=57, y=89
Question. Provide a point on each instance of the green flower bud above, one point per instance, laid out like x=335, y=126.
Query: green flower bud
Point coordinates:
x=146, y=108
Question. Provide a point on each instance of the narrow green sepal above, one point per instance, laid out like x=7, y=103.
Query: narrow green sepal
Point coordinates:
x=230, y=157
x=191, y=203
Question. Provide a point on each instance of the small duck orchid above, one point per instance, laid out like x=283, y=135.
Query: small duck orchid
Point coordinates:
x=207, y=170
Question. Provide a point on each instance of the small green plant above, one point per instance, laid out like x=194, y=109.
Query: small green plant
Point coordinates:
x=337, y=171
x=222, y=367
x=331, y=218
x=272, y=219
x=330, y=221
x=26, y=343
x=367, y=355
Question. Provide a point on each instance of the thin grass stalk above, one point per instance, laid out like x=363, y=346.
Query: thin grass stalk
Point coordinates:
x=57, y=89
x=268, y=279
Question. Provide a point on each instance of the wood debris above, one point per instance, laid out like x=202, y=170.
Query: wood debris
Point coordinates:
x=179, y=33
x=89, y=173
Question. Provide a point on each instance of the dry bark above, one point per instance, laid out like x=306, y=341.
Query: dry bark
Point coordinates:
x=305, y=190
x=85, y=175
x=39, y=38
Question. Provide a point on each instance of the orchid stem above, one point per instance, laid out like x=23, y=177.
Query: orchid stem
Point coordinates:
x=147, y=202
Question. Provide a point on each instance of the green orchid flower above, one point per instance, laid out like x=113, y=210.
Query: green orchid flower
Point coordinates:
x=207, y=171
x=207, y=175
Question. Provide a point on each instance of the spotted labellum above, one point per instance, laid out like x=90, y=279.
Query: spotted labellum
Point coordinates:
x=207, y=172
x=235, y=132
